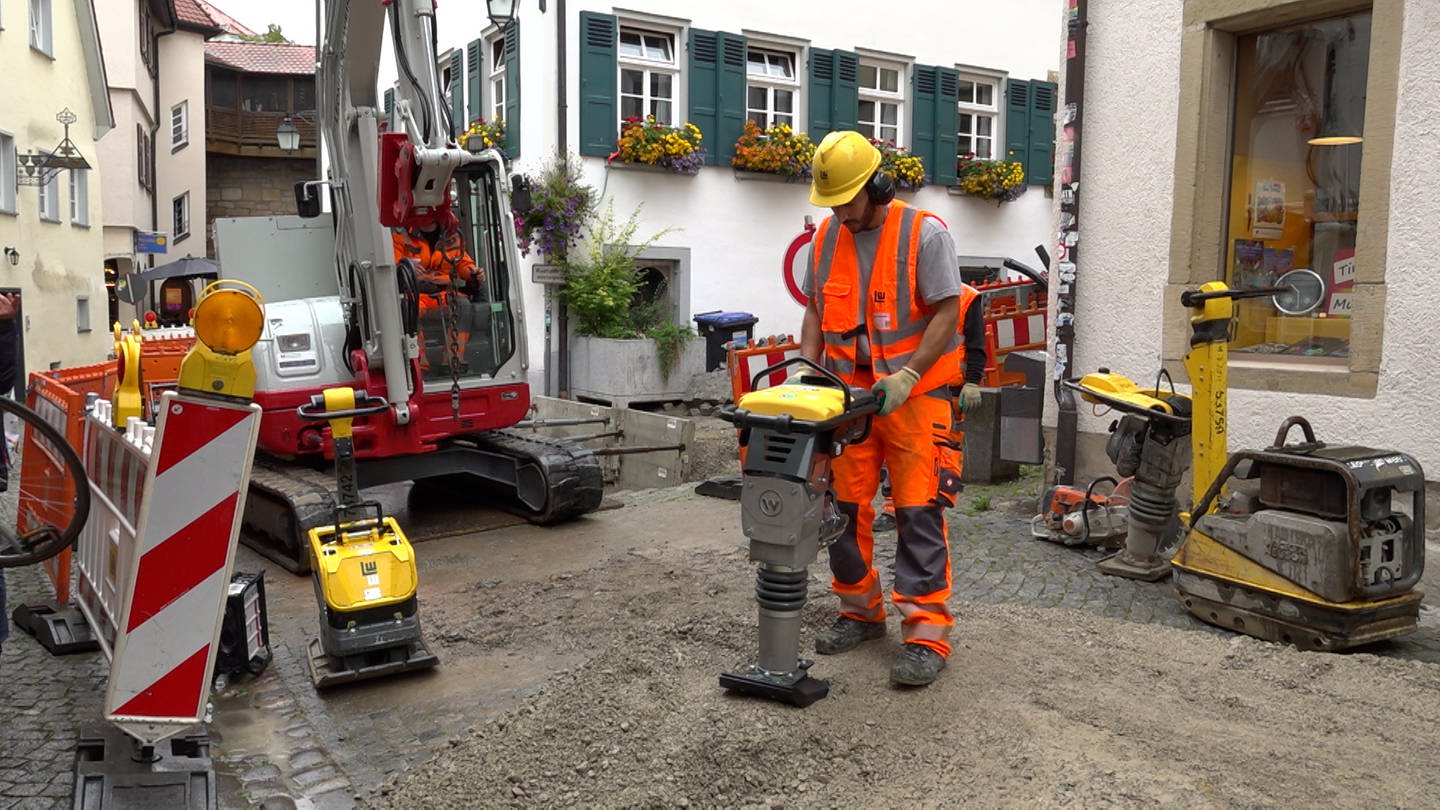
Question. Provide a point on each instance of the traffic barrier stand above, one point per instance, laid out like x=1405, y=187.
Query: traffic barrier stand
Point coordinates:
x=743, y=363
x=59, y=398
x=155, y=565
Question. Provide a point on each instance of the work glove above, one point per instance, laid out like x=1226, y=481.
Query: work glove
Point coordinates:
x=969, y=397
x=893, y=389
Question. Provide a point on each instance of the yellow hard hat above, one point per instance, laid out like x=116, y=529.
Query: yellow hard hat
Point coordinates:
x=843, y=163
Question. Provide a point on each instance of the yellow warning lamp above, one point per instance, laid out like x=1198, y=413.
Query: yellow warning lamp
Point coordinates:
x=126, y=397
x=229, y=318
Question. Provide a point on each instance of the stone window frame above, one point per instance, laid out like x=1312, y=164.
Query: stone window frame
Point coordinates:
x=1202, y=153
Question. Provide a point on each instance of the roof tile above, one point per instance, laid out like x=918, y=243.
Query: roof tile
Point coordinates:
x=262, y=57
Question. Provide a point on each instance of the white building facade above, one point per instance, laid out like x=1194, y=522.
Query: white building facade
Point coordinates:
x=895, y=76
x=51, y=232
x=1207, y=155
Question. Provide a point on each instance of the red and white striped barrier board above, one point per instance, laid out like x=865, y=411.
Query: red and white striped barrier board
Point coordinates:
x=745, y=363
x=1019, y=330
x=179, y=569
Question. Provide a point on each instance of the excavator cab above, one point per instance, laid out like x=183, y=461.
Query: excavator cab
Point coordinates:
x=469, y=332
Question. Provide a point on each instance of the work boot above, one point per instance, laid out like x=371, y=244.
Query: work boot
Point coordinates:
x=884, y=522
x=917, y=666
x=846, y=634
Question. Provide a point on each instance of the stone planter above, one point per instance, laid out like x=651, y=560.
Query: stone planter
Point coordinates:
x=623, y=372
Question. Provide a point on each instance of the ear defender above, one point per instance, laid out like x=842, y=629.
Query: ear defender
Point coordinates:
x=880, y=188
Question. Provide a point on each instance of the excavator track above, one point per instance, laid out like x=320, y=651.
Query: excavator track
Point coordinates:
x=543, y=479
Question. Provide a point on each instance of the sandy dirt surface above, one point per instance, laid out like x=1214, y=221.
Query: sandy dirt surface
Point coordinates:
x=612, y=658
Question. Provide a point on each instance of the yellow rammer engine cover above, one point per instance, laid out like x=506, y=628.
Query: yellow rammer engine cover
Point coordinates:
x=372, y=565
x=815, y=403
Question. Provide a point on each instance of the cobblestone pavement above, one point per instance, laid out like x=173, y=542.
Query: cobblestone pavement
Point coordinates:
x=45, y=700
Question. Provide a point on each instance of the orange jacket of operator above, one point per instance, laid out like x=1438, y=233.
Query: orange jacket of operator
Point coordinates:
x=433, y=264
x=897, y=316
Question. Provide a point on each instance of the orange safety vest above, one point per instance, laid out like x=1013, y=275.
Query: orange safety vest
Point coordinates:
x=434, y=263
x=897, y=314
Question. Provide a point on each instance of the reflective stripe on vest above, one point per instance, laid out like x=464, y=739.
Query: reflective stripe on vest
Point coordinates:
x=897, y=317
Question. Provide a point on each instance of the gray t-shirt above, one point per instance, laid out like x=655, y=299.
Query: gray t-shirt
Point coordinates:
x=937, y=265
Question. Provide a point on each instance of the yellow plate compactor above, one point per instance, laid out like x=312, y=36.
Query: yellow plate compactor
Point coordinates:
x=364, y=568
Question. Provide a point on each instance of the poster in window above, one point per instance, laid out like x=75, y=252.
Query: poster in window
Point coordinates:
x=1248, y=272
x=1267, y=213
x=1338, y=301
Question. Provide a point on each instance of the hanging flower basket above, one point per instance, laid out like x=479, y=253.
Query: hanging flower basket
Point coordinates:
x=647, y=142
x=999, y=180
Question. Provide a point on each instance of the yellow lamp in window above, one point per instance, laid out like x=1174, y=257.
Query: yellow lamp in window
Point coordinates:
x=229, y=318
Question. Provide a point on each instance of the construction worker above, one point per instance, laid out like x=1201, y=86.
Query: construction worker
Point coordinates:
x=882, y=283
x=441, y=264
x=967, y=399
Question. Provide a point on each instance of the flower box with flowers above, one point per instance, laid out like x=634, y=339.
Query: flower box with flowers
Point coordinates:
x=647, y=143
x=482, y=134
x=908, y=170
x=999, y=180
x=778, y=153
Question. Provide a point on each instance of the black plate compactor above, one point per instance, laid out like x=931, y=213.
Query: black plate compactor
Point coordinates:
x=787, y=509
x=363, y=567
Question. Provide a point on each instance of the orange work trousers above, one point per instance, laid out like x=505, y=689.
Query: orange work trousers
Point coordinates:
x=907, y=442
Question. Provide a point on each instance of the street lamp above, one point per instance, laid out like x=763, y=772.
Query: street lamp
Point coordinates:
x=12, y=255
x=502, y=12
x=287, y=135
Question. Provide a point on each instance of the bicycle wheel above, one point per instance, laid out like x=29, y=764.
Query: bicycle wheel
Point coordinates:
x=46, y=497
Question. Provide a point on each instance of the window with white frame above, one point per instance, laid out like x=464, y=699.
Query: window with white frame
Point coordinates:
x=7, y=173
x=770, y=87
x=79, y=196
x=49, y=199
x=649, y=74
x=179, y=125
x=41, y=29
x=180, y=208
x=881, y=101
x=497, y=79
x=979, y=116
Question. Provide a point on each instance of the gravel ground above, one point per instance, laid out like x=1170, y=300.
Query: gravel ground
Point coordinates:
x=1052, y=707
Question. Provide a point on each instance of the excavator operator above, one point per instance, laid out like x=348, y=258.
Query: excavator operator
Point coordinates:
x=443, y=268
x=883, y=284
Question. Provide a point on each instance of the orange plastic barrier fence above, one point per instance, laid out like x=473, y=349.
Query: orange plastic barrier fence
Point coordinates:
x=59, y=398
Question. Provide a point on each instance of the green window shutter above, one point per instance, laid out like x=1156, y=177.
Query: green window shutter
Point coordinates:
x=922, y=140
x=512, y=90
x=704, y=88
x=599, y=121
x=846, y=100
x=474, y=70
x=1040, y=168
x=730, y=84
x=947, y=125
x=821, y=91
x=834, y=92
x=717, y=91
x=1017, y=121
x=457, y=93
x=390, y=107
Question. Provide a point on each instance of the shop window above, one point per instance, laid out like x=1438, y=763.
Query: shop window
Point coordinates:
x=1295, y=186
x=1286, y=183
